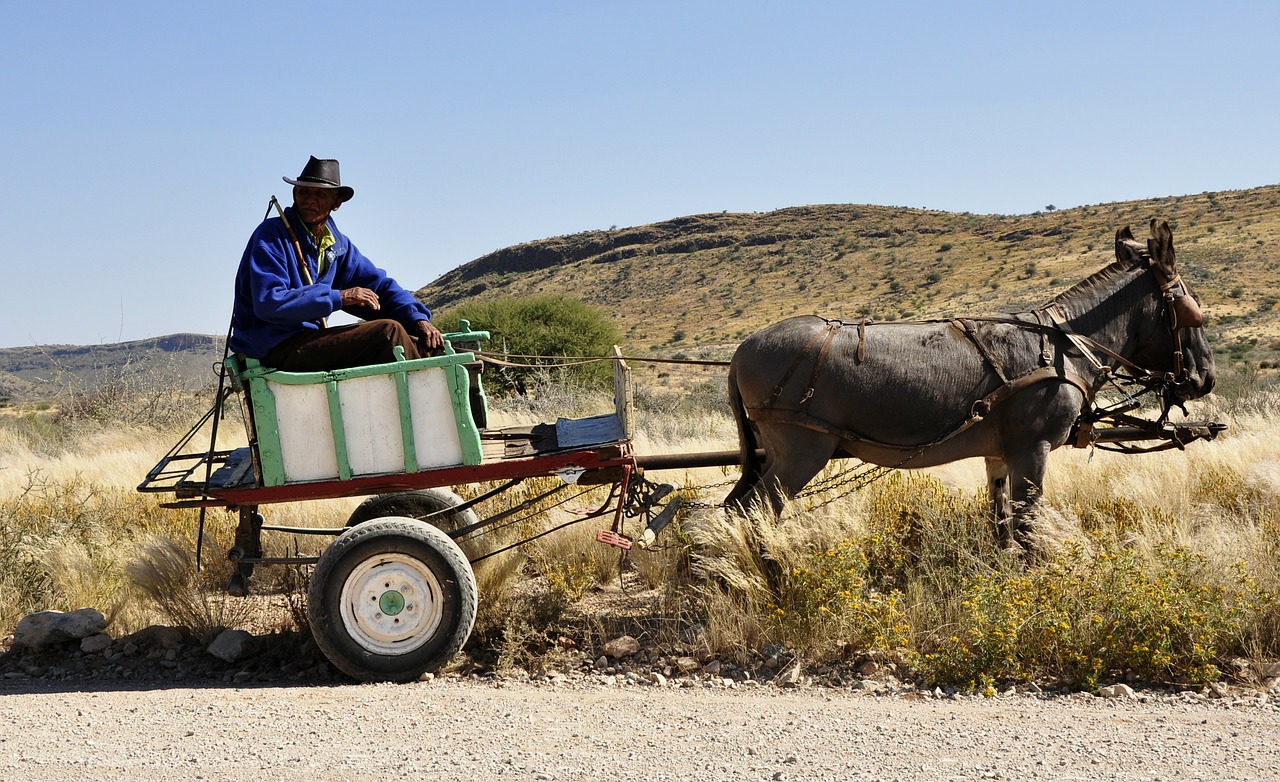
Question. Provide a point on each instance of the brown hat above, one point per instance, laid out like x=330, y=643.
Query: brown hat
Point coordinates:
x=322, y=173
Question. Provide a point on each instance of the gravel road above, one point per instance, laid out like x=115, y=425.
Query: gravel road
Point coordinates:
x=454, y=729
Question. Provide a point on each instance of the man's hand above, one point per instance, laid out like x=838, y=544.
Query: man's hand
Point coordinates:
x=361, y=297
x=432, y=339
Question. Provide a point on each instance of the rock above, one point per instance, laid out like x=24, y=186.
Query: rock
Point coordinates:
x=687, y=664
x=625, y=646
x=1116, y=691
x=95, y=643
x=601, y=663
x=231, y=645
x=870, y=669
x=789, y=677
x=1269, y=669
x=47, y=628
x=157, y=636
x=712, y=668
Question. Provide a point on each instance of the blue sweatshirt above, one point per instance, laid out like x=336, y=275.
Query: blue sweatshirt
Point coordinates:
x=272, y=303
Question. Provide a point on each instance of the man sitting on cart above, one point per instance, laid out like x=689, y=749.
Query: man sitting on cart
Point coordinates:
x=298, y=269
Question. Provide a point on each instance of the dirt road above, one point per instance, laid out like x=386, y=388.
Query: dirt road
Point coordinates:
x=458, y=729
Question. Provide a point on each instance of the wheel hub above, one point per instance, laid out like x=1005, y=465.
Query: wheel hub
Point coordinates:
x=391, y=604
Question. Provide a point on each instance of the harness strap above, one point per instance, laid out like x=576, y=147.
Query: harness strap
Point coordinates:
x=1046, y=352
x=817, y=335
x=833, y=328
x=1081, y=341
x=981, y=408
x=967, y=328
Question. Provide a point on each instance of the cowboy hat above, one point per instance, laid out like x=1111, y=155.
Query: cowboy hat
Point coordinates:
x=322, y=173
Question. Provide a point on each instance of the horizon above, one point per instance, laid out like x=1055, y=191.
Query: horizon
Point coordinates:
x=146, y=139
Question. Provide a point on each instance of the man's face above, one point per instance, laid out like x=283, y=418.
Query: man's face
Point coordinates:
x=315, y=203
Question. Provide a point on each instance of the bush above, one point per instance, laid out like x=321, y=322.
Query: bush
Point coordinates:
x=1087, y=618
x=549, y=327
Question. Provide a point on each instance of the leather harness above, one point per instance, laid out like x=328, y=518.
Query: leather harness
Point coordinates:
x=1048, y=321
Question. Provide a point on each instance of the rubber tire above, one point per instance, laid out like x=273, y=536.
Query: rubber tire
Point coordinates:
x=431, y=557
x=417, y=505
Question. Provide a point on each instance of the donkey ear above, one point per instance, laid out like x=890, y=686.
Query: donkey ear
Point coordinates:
x=1160, y=248
x=1127, y=248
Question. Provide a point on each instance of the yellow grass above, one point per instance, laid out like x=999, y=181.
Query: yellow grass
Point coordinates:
x=905, y=564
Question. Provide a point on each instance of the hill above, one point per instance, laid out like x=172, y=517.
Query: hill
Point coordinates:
x=699, y=284
x=45, y=372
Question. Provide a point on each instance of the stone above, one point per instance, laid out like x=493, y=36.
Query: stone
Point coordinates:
x=231, y=645
x=157, y=636
x=95, y=643
x=790, y=677
x=870, y=669
x=47, y=628
x=1116, y=691
x=1269, y=669
x=687, y=664
x=624, y=646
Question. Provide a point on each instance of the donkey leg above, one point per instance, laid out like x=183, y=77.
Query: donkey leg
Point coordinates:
x=1026, y=485
x=1001, y=502
x=794, y=456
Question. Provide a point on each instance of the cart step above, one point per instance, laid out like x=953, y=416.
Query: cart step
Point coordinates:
x=611, y=538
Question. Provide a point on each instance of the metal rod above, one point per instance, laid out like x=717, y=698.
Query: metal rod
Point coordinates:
x=676, y=461
x=305, y=530
x=279, y=560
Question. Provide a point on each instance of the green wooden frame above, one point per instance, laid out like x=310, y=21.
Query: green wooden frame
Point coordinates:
x=249, y=375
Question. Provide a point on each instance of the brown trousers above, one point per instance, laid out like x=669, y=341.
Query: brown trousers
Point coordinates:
x=340, y=347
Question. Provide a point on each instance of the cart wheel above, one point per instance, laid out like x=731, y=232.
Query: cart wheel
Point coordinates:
x=417, y=505
x=391, y=599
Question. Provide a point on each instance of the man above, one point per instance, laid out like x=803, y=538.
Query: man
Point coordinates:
x=281, y=301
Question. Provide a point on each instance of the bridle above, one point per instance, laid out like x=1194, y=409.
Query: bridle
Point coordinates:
x=1181, y=311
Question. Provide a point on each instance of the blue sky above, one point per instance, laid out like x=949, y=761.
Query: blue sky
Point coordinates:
x=142, y=139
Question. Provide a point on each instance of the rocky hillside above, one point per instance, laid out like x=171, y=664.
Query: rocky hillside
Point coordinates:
x=51, y=371
x=699, y=284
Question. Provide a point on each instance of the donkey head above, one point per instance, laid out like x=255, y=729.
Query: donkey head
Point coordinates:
x=1158, y=255
x=1194, y=360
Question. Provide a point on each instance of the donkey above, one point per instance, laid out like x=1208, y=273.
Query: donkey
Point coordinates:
x=1008, y=388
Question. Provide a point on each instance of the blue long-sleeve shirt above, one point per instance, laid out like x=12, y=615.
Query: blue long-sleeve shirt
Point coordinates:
x=272, y=303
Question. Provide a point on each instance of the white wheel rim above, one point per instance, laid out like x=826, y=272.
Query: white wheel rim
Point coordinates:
x=391, y=604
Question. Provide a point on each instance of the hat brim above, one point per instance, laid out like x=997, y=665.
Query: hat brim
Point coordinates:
x=343, y=191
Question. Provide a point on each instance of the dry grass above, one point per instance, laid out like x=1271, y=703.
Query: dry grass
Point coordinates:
x=1162, y=567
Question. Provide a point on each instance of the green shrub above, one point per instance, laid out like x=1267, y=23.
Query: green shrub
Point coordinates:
x=1087, y=618
x=546, y=326
x=825, y=603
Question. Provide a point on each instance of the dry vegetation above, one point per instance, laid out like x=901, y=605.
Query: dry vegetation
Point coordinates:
x=1160, y=568
x=697, y=285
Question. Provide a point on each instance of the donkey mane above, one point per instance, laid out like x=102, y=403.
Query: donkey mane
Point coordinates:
x=1097, y=287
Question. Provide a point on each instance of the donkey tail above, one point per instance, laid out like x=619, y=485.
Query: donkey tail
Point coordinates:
x=751, y=465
